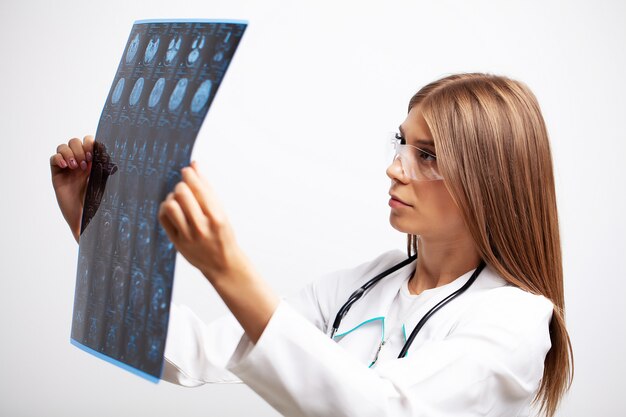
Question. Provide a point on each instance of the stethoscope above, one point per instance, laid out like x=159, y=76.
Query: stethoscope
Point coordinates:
x=369, y=284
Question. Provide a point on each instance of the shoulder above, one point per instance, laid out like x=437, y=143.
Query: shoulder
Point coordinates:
x=505, y=330
x=319, y=299
x=338, y=285
x=507, y=313
x=514, y=304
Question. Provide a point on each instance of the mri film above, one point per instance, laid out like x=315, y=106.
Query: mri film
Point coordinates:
x=165, y=83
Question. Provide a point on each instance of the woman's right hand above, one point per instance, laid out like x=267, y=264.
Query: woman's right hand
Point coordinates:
x=70, y=167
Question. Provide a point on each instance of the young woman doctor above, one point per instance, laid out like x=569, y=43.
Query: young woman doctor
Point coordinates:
x=473, y=188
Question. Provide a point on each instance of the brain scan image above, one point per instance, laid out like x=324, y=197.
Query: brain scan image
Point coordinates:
x=100, y=282
x=132, y=184
x=177, y=95
x=165, y=250
x=151, y=49
x=117, y=91
x=154, y=348
x=124, y=235
x=167, y=77
x=82, y=287
x=111, y=340
x=157, y=299
x=136, y=297
x=143, y=242
x=119, y=287
x=132, y=49
x=107, y=223
x=157, y=92
x=93, y=329
x=136, y=93
x=196, y=46
x=172, y=49
x=132, y=350
x=202, y=96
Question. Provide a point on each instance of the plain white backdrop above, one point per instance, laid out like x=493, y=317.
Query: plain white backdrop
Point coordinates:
x=293, y=146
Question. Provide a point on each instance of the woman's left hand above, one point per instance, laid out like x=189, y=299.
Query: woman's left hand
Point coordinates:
x=197, y=226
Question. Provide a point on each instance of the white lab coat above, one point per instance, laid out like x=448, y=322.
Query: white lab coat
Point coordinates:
x=482, y=354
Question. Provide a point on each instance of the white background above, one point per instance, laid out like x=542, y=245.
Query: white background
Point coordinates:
x=292, y=147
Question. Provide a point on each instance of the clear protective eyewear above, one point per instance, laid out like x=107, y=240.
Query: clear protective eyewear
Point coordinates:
x=417, y=164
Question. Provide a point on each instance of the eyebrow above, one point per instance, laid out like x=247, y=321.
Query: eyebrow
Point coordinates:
x=426, y=142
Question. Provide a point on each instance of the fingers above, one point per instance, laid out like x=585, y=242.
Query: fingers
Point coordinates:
x=191, y=210
x=74, y=154
x=172, y=216
x=203, y=192
x=79, y=155
x=167, y=224
x=67, y=155
x=57, y=160
x=88, y=146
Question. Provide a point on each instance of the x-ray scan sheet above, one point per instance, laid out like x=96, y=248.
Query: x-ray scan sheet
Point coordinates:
x=165, y=83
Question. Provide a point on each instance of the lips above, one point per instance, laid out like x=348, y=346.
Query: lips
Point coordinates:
x=398, y=199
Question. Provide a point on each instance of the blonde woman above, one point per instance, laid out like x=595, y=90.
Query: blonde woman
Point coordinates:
x=469, y=322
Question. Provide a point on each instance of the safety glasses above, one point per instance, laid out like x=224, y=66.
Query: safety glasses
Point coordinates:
x=417, y=164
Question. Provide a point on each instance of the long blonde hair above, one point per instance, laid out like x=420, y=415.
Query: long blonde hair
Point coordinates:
x=493, y=151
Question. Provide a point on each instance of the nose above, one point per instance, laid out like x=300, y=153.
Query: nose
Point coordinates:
x=395, y=171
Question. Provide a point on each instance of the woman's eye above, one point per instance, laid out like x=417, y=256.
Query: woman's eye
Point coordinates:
x=425, y=156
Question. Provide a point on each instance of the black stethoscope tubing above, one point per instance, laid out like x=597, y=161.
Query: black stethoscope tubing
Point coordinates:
x=356, y=295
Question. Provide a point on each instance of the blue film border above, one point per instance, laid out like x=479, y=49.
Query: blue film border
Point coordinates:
x=122, y=365
x=147, y=21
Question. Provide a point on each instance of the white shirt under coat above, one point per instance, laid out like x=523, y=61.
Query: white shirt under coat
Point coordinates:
x=482, y=354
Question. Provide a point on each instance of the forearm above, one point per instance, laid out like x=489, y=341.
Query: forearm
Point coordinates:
x=250, y=300
x=73, y=217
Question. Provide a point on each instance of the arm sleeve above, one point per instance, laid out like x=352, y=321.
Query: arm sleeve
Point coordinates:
x=489, y=365
x=196, y=352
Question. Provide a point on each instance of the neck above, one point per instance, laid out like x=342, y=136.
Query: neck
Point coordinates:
x=441, y=262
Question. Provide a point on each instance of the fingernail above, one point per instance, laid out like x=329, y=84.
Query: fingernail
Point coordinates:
x=73, y=163
x=88, y=156
x=63, y=164
x=83, y=165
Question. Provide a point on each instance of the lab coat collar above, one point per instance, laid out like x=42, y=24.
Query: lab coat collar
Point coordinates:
x=487, y=279
x=374, y=304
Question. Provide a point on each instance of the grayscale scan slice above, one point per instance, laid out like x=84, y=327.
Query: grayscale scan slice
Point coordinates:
x=166, y=80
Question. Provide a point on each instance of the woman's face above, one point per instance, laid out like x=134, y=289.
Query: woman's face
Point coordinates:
x=428, y=210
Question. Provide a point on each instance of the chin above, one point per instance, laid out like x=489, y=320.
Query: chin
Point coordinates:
x=393, y=221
